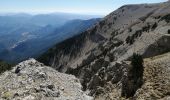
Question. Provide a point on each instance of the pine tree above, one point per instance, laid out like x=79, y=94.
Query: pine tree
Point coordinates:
x=134, y=79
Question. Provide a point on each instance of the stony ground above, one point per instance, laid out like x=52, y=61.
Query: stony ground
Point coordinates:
x=31, y=80
x=156, y=82
x=157, y=78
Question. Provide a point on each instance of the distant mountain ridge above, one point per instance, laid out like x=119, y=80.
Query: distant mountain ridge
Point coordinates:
x=33, y=43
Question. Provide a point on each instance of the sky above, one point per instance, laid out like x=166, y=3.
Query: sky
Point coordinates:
x=95, y=7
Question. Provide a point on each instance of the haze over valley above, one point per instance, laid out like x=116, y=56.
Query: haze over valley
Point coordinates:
x=23, y=35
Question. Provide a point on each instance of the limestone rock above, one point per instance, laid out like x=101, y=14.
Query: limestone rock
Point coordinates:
x=31, y=80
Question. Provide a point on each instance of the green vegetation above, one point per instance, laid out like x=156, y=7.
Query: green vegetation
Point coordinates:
x=115, y=18
x=134, y=79
x=130, y=29
x=155, y=25
x=169, y=31
x=166, y=18
x=110, y=25
x=146, y=28
x=7, y=95
x=4, y=66
x=157, y=17
x=131, y=39
x=123, y=10
x=102, y=23
x=137, y=66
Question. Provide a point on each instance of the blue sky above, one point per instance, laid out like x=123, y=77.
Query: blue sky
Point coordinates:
x=101, y=7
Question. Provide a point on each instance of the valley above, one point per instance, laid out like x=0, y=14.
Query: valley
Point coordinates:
x=33, y=35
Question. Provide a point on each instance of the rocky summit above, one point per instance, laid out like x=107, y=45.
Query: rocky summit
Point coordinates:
x=31, y=80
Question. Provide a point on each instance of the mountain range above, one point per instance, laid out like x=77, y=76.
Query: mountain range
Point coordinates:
x=23, y=36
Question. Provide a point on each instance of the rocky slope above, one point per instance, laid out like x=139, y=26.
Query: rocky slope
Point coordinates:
x=131, y=28
x=156, y=85
x=31, y=80
x=98, y=56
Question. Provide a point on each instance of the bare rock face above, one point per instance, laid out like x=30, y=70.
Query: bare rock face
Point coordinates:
x=31, y=80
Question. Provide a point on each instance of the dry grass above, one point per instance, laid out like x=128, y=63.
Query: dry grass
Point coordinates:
x=156, y=78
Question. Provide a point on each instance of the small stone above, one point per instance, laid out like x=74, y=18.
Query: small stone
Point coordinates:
x=16, y=94
x=62, y=88
x=42, y=75
x=17, y=70
x=30, y=97
x=50, y=93
x=51, y=87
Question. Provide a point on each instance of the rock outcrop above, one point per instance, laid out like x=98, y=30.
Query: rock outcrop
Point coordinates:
x=31, y=80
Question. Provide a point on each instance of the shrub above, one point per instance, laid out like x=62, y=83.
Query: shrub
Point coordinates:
x=111, y=57
x=146, y=28
x=110, y=25
x=131, y=39
x=169, y=31
x=134, y=78
x=138, y=33
x=123, y=10
x=154, y=26
x=128, y=39
x=137, y=65
x=130, y=29
x=102, y=23
x=166, y=18
x=115, y=18
x=4, y=66
x=157, y=17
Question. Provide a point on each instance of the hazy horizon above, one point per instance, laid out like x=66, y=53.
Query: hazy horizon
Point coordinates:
x=47, y=13
x=85, y=7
